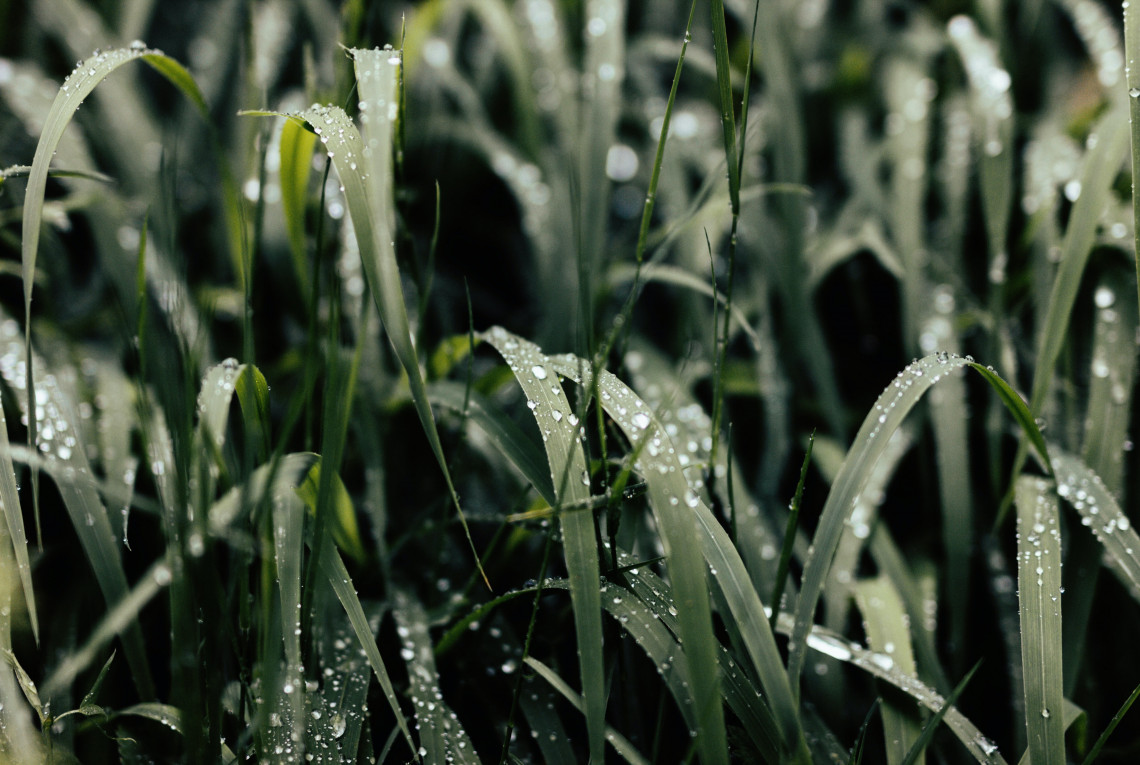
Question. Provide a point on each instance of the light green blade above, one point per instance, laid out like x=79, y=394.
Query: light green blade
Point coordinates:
x=680, y=514
x=442, y=738
x=870, y=443
x=1100, y=512
x=888, y=633
x=14, y=519
x=1039, y=600
x=561, y=438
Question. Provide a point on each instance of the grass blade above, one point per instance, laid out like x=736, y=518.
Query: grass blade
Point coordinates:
x=668, y=492
x=932, y=724
x=1039, y=600
x=1103, y=738
x=885, y=622
x=570, y=478
x=884, y=418
x=1078, y=485
x=442, y=738
x=617, y=741
x=14, y=520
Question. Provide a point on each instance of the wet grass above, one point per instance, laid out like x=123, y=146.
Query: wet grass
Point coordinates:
x=558, y=382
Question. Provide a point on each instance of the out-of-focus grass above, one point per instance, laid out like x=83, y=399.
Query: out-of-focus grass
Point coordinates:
x=729, y=225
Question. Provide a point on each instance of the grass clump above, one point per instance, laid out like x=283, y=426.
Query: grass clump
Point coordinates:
x=431, y=384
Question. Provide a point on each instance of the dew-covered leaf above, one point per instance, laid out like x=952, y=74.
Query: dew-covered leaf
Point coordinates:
x=442, y=737
x=1083, y=489
x=680, y=514
x=1039, y=600
x=570, y=478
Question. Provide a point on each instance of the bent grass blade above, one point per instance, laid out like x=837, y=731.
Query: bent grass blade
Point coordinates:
x=680, y=513
x=561, y=438
x=885, y=417
x=442, y=738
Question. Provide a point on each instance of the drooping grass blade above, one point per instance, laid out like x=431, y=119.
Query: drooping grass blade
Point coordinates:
x=568, y=474
x=668, y=492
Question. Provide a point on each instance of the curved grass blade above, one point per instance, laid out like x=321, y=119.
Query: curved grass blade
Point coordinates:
x=1082, y=488
x=442, y=738
x=62, y=448
x=1039, y=600
x=569, y=476
x=882, y=667
x=1096, y=187
x=884, y=418
x=680, y=513
x=617, y=741
x=886, y=624
x=928, y=730
x=113, y=623
x=14, y=520
x=364, y=166
x=76, y=87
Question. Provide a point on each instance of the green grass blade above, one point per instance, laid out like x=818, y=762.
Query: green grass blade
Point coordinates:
x=113, y=623
x=1096, y=188
x=14, y=520
x=617, y=741
x=1083, y=489
x=860, y=740
x=1103, y=738
x=680, y=513
x=296, y=152
x=1132, y=75
x=726, y=101
x=442, y=738
x=569, y=476
x=928, y=730
x=62, y=448
x=884, y=418
x=882, y=667
x=886, y=624
x=288, y=544
x=364, y=166
x=76, y=87
x=603, y=72
x=1039, y=599
x=334, y=570
x=870, y=443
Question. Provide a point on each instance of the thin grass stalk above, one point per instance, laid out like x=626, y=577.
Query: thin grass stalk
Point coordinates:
x=1132, y=80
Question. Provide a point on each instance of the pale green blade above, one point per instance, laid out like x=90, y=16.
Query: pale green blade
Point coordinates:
x=76, y=87
x=1039, y=600
x=14, y=519
x=1101, y=513
x=886, y=624
x=561, y=438
x=442, y=738
x=680, y=514
x=882, y=666
x=884, y=418
x=65, y=454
